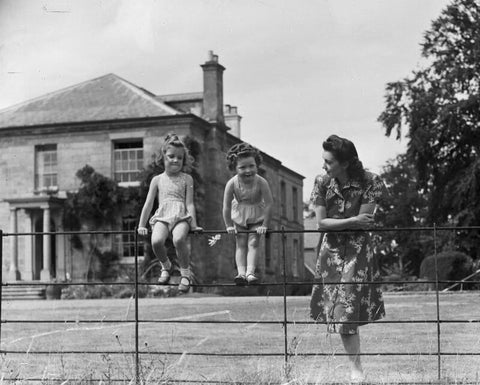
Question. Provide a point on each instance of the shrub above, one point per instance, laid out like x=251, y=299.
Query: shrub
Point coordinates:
x=452, y=265
x=107, y=290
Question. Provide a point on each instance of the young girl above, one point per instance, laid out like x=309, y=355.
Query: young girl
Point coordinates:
x=247, y=206
x=175, y=215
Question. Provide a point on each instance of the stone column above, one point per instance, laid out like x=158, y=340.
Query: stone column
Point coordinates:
x=45, y=274
x=13, y=273
x=28, y=272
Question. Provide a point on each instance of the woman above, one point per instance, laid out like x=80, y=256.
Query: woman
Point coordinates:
x=345, y=199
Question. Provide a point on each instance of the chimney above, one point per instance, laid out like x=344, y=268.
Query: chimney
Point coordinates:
x=213, y=89
x=232, y=119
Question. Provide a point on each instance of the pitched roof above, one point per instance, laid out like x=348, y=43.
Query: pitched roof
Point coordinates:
x=105, y=98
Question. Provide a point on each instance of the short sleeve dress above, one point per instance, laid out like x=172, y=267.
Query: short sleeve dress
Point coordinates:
x=346, y=257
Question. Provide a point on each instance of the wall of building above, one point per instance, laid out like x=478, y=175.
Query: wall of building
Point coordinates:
x=93, y=145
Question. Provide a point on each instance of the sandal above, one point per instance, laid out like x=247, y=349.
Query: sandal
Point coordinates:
x=252, y=279
x=240, y=280
x=164, y=277
x=184, y=288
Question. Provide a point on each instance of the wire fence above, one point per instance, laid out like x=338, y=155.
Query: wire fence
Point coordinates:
x=285, y=354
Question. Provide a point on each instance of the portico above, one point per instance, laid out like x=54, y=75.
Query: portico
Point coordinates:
x=40, y=216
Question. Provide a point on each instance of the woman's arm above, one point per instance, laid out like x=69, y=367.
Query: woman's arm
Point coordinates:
x=147, y=206
x=361, y=221
x=190, y=203
x=227, y=204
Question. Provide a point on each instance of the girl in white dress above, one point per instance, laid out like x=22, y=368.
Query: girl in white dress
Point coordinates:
x=247, y=205
x=175, y=215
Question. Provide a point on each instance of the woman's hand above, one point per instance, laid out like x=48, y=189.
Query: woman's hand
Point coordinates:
x=363, y=220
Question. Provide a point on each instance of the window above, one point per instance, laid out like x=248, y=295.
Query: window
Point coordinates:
x=128, y=161
x=295, y=258
x=295, y=203
x=283, y=199
x=127, y=245
x=46, y=167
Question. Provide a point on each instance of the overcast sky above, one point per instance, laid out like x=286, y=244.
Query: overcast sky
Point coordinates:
x=297, y=70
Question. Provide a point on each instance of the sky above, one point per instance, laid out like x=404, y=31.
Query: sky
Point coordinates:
x=298, y=71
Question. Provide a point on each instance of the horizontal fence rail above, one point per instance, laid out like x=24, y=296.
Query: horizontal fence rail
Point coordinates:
x=285, y=322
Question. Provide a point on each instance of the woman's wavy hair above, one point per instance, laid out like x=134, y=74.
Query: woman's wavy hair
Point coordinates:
x=343, y=151
x=173, y=140
x=242, y=150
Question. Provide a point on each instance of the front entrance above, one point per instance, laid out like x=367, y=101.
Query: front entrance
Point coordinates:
x=38, y=250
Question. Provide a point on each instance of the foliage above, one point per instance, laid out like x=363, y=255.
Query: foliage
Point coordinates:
x=96, y=201
x=451, y=265
x=402, y=207
x=102, y=291
x=439, y=104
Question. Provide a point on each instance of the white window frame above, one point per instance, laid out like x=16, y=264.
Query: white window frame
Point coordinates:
x=127, y=162
x=126, y=241
x=46, y=168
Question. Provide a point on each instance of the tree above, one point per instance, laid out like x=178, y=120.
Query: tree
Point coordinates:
x=403, y=207
x=439, y=105
x=93, y=207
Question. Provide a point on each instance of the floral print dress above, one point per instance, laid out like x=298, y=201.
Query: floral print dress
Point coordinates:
x=346, y=257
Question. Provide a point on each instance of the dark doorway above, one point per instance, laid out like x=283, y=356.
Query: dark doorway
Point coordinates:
x=38, y=250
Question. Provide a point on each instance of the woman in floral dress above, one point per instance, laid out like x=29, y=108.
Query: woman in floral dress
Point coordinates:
x=345, y=199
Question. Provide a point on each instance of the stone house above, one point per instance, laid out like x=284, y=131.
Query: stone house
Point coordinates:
x=117, y=127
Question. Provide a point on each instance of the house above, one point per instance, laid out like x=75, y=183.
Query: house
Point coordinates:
x=117, y=127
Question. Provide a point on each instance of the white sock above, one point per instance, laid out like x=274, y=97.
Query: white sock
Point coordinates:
x=167, y=265
x=185, y=272
x=250, y=270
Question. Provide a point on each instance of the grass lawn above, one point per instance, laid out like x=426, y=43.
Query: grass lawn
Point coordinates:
x=236, y=338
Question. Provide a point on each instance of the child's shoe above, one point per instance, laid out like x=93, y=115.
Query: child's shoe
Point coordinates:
x=252, y=279
x=164, y=277
x=240, y=280
x=184, y=285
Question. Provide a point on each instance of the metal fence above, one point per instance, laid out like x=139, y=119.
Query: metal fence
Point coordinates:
x=285, y=322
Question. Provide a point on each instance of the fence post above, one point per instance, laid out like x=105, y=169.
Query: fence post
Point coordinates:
x=285, y=298
x=137, y=363
x=439, y=354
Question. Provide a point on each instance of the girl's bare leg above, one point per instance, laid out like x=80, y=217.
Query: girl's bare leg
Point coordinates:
x=180, y=241
x=241, y=253
x=351, y=343
x=159, y=236
x=253, y=241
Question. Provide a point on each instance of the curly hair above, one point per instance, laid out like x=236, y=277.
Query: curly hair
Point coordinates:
x=172, y=140
x=344, y=150
x=242, y=150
